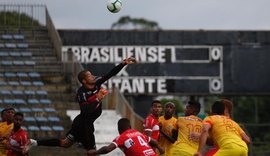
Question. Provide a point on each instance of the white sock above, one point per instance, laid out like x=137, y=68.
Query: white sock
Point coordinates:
x=33, y=142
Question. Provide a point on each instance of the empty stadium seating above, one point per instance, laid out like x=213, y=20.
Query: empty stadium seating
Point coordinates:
x=31, y=81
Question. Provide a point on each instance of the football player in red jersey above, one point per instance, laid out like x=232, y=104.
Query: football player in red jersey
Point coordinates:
x=151, y=123
x=18, y=137
x=132, y=142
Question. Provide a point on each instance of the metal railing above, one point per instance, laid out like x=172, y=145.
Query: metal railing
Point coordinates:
x=54, y=35
x=23, y=15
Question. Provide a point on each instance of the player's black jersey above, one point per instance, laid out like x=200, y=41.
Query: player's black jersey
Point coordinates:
x=83, y=94
x=91, y=108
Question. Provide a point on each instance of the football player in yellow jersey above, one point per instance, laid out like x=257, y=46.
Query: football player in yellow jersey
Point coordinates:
x=226, y=133
x=167, y=122
x=184, y=128
x=5, y=129
x=227, y=112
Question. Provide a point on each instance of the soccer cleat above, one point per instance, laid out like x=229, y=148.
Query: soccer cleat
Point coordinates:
x=30, y=143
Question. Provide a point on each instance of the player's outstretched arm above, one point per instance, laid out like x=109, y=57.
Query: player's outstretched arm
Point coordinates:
x=129, y=60
x=102, y=150
x=116, y=69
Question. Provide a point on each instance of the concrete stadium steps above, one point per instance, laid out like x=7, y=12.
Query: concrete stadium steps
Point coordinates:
x=40, y=40
x=35, y=38
x=41, y=69
x=64, y=97
x=40, y=45
x=66, y=105
x=40, y=50
x=25, y=97
x=46, y=59
x=27, y=31
x=47, y=87
x=35, y=62
x=32, y=76
x=31, y=43
x=35, y=56
x=57, y=78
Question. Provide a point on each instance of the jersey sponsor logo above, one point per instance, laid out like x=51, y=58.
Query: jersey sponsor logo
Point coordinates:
x=129, y=143
x=149, y=152
x=155, y=128
x=13, y=142
x=192, y=119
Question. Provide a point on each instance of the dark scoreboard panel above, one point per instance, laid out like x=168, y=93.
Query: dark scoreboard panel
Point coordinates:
x=161, y=69
x=176, y=62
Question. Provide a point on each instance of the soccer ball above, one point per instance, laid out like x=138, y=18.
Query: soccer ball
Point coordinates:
x=114, y=6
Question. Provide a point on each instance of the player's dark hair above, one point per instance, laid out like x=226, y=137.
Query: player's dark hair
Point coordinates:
x=218, y=108
x=6, y=109
x=154, y=101
x=195, y=105
x=3, y=111
x=19, y=114
x=81, y=75
x=123, y=124
x=9, y=108
x=228, y=104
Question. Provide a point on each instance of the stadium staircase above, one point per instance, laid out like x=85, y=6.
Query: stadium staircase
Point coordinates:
x=32, y=81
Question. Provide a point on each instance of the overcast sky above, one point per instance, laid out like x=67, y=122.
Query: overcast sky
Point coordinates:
x=169, y=14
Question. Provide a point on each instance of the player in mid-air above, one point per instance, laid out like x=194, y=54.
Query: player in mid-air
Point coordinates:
x=89, y=97
x=132, y=142
x=225, y=132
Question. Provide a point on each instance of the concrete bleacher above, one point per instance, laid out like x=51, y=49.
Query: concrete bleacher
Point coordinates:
x=31, y=80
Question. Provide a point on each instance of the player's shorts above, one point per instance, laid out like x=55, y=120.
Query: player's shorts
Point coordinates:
x=182, y=153
x=211, y=152
x=182, y=150
x=82, y=132
x=236, y=150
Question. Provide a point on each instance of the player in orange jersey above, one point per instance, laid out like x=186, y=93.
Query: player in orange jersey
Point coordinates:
x=228, y=112
x=184, y=128
x=167, y=122
x=6, y=128
x=226, y=133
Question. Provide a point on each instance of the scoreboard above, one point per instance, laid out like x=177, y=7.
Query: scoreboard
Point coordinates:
x=175, y=62
x=167, y=69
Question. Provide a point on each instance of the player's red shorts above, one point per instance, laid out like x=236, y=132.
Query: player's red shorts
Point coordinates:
x=211, y=152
